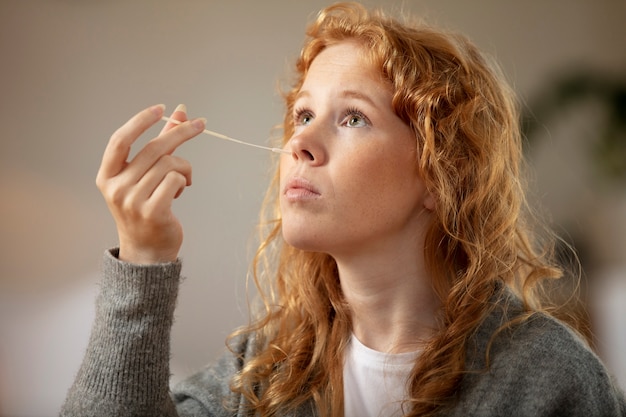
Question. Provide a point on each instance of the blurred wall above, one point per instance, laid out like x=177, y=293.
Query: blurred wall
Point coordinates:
x=73, y=71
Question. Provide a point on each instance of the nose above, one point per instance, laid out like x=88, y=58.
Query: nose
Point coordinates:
x=307, y=145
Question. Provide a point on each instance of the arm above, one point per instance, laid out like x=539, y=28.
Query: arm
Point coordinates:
x=126, y=367
x=125, y=370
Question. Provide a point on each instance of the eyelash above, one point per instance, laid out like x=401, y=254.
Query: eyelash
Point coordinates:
x=299, y=113
x=350, y=112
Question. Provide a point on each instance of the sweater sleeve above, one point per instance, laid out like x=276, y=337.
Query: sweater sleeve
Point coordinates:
x=125, y=370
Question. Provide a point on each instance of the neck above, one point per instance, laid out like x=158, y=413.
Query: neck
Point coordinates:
x=392, y=302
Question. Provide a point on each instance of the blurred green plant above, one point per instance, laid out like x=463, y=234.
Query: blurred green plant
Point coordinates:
x=608, y=150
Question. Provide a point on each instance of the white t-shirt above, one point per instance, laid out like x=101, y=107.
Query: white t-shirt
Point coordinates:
x=374, y=383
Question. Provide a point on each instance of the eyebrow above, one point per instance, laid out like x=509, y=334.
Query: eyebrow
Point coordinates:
x=345, y=94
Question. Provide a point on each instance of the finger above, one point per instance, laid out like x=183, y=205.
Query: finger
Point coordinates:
x=159, y=205
x=146, y=186
x=180, y=114
x=118, y=148
x=164, y=144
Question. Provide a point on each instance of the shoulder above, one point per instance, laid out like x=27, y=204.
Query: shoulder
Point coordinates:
x=538, y=364
x=207, y=392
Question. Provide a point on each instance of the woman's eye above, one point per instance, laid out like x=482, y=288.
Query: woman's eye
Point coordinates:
x=355, y=118
x=303, y=117
x=355, y=121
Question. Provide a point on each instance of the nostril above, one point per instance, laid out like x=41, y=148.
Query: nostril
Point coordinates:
x=304, y=154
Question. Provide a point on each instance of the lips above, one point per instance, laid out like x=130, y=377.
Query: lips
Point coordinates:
x=300, y=189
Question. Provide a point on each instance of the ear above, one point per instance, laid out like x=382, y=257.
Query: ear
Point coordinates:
x=430, y=202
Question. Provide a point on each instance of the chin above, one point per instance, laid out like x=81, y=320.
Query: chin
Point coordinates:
x=302, y=240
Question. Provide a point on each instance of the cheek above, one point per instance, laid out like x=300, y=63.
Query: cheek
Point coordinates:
x=283, y=168
x=381, y=170
x=384, y=183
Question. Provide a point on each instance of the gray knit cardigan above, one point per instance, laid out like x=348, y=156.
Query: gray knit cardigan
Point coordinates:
x=539, y=368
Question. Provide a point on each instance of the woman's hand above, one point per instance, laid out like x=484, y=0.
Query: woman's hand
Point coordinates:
x=139, y=193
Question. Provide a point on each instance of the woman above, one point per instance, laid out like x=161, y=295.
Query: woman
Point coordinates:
x=398, y=272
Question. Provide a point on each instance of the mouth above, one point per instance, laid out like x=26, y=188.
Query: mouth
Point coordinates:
x=300, y=189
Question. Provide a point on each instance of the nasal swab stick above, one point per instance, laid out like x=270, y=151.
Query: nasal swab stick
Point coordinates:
x=219, y=135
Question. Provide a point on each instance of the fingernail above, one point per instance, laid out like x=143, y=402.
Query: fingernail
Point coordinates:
x=181, y=107
x=199, y=123
x=158, y=109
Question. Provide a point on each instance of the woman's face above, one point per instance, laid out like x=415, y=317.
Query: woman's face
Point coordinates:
x=350, y=185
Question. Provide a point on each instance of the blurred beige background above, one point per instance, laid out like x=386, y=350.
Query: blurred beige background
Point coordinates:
x=72, y=71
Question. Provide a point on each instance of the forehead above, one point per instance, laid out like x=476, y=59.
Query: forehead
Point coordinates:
x=346, y=64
